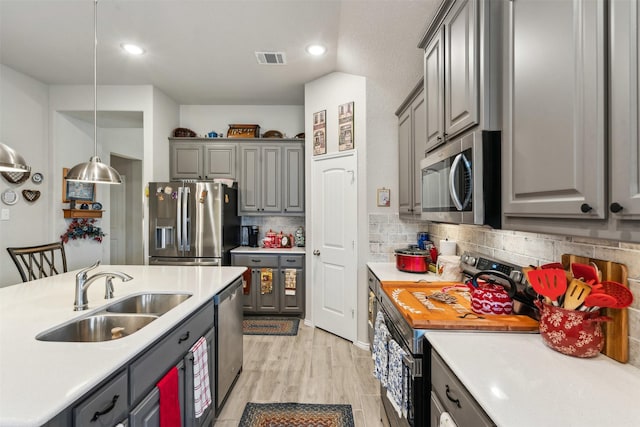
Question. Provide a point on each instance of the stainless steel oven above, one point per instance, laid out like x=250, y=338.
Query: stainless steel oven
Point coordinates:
x=414, y=365
x=461, y=181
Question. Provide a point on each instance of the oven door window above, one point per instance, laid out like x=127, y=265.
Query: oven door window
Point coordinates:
x=447, y=185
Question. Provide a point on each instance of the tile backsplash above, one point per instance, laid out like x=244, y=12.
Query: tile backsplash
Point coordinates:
x=388, y=232
x=286, y=224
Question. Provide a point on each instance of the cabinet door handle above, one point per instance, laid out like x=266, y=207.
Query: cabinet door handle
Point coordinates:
x=106, y=410
x=585, y=207
x=183, y=338
x=456, y=401
x=615, y=207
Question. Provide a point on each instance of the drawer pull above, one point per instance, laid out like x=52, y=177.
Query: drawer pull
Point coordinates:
x=456, y=401
x=183, y=338
x=106, y=410
x=256, y=260
x=290, y=260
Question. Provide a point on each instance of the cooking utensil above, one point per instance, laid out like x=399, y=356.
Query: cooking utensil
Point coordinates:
x=550, y=283
x=577, y=292
x=593, y=264
x=584, y=271
x=596, y=300
x=621, y=293
x=552, y=265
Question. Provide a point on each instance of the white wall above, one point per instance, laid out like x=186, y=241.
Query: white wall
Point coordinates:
x=327, y=93
x=288, y=119
x=24, y=123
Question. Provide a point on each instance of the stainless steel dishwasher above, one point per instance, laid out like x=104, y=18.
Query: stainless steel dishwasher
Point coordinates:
x=228, y=314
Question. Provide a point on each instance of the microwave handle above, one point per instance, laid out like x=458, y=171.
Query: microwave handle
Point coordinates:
x=459, y=160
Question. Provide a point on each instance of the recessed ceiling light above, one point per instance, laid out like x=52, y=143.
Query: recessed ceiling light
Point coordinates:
x=316, y=49
x=132, y=49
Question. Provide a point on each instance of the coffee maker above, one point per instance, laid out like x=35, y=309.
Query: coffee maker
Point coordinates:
x=250, y=235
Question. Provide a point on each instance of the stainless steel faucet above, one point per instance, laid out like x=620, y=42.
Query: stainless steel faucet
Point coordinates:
x=83, y=282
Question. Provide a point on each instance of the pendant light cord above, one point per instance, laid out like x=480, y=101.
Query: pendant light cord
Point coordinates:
x=95, y=78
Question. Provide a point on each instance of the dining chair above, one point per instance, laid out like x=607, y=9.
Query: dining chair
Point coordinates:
x=36, y=262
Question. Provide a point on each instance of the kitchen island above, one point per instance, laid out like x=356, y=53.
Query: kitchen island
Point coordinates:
x=40, y=379
x=518, y=381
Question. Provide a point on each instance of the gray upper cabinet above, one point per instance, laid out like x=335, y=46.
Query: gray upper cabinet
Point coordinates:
x=260, y=179
x=412, y=139
x=271, y=178
x=202, y=159
x=293, y=178
x=434, y=90
x=554, y=146
x=460, y=67
x=624, y=202
x=460, y=90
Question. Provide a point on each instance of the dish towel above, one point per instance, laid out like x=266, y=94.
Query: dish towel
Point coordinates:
x=201, y=386
x=381, y=351
x=396, y=390
x=169, y=400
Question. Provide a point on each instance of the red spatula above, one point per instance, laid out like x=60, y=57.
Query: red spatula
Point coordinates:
x=584, y=271
x=551, y=283
x=597, y=300
x=621, y=293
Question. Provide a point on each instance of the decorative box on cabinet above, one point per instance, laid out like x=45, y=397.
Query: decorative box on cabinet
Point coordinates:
x=411, y=149
x=460, y=88
x=280, y=300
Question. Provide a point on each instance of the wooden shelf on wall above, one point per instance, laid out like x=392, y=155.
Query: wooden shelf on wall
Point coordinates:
x=82, y=213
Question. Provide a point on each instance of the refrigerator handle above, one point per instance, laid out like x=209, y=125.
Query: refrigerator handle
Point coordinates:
x=179, y=219
x=185, y=219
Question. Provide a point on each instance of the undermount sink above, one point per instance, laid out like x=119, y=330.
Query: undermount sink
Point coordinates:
x=157, y=304
x=100, y=327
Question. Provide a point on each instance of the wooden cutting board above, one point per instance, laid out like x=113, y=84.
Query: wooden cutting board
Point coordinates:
x=616, y=332
x=449, y=316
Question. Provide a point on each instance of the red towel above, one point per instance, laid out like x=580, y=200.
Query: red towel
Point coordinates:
x=169, y=400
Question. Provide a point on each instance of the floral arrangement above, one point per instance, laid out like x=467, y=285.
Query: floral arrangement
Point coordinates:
x=83, y=228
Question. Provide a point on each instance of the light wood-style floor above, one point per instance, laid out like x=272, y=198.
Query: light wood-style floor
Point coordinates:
x=312, y=367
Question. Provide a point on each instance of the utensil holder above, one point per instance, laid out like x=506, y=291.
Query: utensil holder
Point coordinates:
x=574, y=333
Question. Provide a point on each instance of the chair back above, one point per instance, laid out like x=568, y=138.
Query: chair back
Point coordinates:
x=36, y=262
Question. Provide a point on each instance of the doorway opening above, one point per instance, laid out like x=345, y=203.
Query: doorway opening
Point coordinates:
x=126, y=237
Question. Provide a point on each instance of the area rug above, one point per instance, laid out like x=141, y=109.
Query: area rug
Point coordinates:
x=296, y=415
x=270, y=326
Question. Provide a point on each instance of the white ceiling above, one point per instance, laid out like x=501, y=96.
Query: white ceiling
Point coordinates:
x=201, y=52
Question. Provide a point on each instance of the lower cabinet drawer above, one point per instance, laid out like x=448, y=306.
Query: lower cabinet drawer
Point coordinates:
x=455, y=398
x=106, y=407
x=145, y=372
x=255, y=260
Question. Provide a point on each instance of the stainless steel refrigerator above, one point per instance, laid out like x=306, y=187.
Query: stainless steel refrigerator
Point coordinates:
x=192, y=223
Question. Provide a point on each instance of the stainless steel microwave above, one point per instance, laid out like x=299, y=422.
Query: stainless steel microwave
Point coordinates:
x=461, y=181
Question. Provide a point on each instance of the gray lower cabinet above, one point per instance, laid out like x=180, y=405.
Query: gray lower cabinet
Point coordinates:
x=411, y=149
x=285, y=292
x=105, y=407
x=131, y=394
x=202, y=159
x=449, y=395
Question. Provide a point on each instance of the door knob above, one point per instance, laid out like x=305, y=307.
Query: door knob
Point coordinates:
x=615, y=207
x=316, y=252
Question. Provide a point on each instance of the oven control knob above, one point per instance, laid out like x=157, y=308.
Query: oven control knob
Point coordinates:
x=471, y=260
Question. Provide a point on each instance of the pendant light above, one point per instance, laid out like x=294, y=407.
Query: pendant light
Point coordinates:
x=94, y=171
x=11, y=161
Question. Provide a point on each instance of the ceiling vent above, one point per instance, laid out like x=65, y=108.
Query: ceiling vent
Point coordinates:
x=271, y=58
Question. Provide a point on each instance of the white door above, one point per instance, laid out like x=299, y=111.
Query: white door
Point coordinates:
x=118, y=222
x=334, y=232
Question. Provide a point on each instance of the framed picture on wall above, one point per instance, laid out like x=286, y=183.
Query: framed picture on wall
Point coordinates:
x=80, y=191
x=384, y=197
x=320, y=132
x=345, y=127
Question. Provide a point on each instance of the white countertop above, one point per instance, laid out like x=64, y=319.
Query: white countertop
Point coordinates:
x=520, y=382
x=387, y=272
x=40, y=379
x=249, y=250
